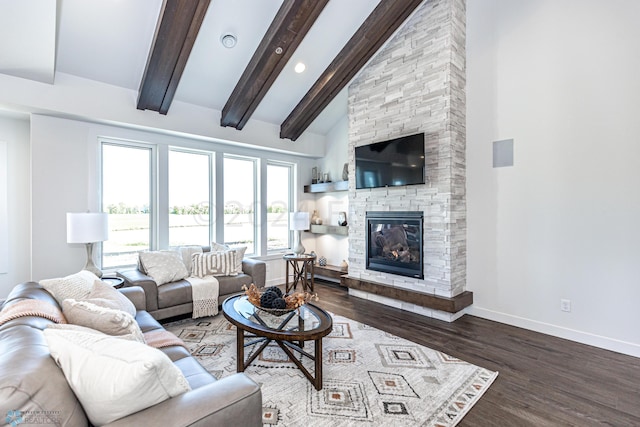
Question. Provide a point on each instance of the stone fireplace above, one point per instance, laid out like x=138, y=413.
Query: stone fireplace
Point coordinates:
x=415, y=84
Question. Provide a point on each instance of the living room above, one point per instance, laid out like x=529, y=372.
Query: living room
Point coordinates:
x=558, y=80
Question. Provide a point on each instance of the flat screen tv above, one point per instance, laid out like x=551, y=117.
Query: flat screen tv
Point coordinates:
x=391, y=163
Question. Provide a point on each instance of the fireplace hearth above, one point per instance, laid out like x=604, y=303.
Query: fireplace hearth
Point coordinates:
x=394, y=242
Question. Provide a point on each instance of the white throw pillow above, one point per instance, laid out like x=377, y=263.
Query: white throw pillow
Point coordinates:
x=108, y=320
x=240, y=250
x=78, y=328
x=163, y=266
x=77, y=285
x=112, y=377
x=214, y=264
x=105, y=295
x=186, y=252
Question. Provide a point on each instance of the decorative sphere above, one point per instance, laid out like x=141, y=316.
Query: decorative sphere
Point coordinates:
x=266, y=299
x=322, y=261
x=279, y=303
x=274, y=289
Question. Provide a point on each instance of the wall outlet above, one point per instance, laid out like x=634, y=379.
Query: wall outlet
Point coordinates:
x=565, y=305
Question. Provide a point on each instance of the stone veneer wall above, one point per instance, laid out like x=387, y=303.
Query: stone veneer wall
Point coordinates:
x=416, y=83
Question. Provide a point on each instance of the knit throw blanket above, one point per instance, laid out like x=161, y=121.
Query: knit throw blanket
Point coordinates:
x=160, y=338
x=205, y=292
x=31, y=307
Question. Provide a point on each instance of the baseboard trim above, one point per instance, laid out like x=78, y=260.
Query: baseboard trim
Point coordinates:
x=599, y=341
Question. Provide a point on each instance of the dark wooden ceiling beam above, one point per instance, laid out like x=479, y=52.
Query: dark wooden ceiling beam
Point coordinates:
x=176, y=32
x=385, y=19
x=289, y=27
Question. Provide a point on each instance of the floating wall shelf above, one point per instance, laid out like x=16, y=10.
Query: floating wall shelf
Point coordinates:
x=326, y=187
x=330, y=229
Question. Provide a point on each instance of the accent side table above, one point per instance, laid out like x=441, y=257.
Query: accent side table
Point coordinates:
x=302, y=269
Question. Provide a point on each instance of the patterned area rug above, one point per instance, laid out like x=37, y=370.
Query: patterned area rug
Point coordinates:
x=371, y=378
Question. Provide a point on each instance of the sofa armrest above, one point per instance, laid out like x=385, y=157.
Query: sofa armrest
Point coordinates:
x=134, y=277
x=136, y=295
x=234, y=400
x=257, y=269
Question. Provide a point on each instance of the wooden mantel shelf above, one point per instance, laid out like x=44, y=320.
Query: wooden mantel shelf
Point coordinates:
x=435, y=302
x=325, y=187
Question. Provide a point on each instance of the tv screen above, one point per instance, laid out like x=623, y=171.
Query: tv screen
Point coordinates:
x=391, y=163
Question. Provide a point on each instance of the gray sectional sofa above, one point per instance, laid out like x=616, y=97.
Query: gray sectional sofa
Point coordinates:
x=32, y=385
x=174, y=298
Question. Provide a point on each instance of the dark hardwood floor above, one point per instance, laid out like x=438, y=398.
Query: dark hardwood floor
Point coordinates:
x=542, y=381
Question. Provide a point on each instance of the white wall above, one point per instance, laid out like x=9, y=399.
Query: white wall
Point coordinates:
x=89, y=100
x=14, y=131
x=561, y=79
x=333, y=247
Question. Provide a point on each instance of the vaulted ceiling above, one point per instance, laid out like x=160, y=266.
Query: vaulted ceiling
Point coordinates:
x=171, y=50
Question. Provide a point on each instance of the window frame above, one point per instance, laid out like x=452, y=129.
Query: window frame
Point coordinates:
x=290, y=202
x=212, y=190
x=153, y=186
x=159, y=188
x=257, y=210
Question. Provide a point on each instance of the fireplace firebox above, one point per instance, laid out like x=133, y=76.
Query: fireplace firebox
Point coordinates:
x=394, y=242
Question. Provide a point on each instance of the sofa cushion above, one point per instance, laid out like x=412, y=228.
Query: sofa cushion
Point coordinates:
x=76, y=286
x=214, y=264
x=240, y=251
x=105, y=295
x=111, y=377
x=174, y=293
x=233, y=284
x=186, y=252
x=107, y=320
x=163, y=266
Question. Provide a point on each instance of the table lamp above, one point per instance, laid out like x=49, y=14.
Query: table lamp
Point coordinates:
x=88, y=228
x=299, y=221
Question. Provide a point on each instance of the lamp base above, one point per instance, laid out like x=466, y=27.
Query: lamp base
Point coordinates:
x=90, y=266
x=299, y=249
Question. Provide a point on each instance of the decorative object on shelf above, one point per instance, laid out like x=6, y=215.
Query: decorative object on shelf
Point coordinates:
x=344, y=265
x=314, y=175
x=326, y=177
x=88, y=228
x=299, y=221
x=345, y=172
x=271, y=300
x=315, y=218
x=320, y=181
x=313, y=254
x=342, y=218
x=322, y=261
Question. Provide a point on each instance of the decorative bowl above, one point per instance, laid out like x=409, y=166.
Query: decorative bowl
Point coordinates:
x=294, y=301
x=275, y=311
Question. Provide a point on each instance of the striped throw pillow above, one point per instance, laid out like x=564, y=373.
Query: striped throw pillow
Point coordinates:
x=214, y=264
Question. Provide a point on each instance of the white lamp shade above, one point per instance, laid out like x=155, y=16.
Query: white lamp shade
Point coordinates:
x=87, y=227
x=299, y=220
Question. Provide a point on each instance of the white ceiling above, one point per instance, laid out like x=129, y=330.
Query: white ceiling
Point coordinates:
x=109, y=41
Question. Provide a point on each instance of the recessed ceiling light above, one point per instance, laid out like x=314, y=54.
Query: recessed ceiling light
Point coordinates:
x=228, y=40
x=300, y=67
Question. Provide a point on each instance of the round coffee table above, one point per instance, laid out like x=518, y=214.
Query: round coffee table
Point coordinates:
x=289, y=331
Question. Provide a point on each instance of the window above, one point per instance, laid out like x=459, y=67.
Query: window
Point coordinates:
x=189, y=198
x=279, y=194
x=240, y=201
x=160, y=196
x=126, y=197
